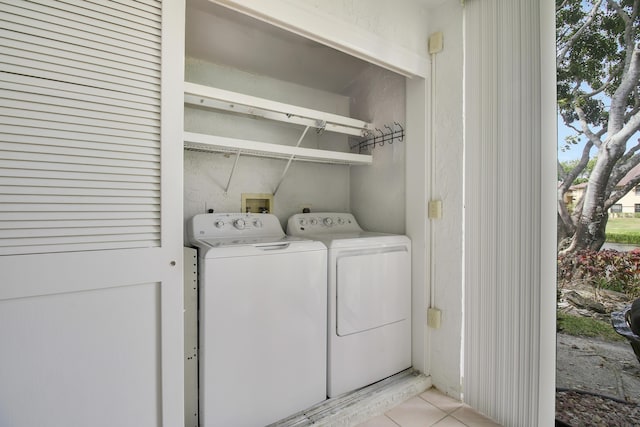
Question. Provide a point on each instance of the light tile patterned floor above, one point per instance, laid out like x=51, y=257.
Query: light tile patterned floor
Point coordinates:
x=431, y=408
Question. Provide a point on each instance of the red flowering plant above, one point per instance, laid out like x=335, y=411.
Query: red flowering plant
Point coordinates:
x=608, y=269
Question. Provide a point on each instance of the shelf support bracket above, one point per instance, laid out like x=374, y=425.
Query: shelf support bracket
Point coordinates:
x=233, y=170
x=286, y=168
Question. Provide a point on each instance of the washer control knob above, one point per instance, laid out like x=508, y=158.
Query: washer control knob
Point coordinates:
x=302, y=222
x=328, y=222
x=257, y=223
x=219, y=223
x=340, y=220
x=314, y=221
x=239, y=224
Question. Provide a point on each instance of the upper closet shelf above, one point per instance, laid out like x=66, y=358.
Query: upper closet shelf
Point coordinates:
x=221, y=99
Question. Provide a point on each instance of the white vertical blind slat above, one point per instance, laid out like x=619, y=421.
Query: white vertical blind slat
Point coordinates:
x=502, y=209
x=79, y=126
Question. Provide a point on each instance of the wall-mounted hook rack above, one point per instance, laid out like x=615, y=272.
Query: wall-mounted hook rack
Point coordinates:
x=378, y=137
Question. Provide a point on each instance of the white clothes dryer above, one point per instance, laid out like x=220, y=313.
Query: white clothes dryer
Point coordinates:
x=369, y=299
x=262, y=320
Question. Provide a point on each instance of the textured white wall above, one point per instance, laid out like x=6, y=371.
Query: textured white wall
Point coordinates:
x=446, y=169
x=378, y=190
x=403, y=23
x=324, y=187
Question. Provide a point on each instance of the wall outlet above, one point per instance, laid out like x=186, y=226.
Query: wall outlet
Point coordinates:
x=434, y=317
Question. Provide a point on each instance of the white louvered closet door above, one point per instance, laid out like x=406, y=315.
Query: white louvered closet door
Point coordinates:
x=91, y=212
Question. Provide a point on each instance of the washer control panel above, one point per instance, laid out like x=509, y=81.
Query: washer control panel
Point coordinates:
x=322, y=223
x=233, y=225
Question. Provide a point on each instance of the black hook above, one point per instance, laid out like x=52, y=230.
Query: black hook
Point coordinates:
x=390, y=134
x=382, y=138
x=401, y=131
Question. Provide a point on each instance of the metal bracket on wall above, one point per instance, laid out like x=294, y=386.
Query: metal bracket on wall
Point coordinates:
x=233, y=169
x=392, y=134
x=286, y=168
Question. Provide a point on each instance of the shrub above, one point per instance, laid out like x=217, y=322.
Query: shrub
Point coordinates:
x=608, y=269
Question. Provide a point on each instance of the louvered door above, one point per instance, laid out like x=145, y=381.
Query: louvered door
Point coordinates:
x=90, y=212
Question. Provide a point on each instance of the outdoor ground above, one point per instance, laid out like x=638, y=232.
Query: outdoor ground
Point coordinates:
x=598, y=382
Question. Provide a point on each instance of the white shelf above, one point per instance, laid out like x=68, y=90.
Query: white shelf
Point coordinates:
x=220, y=99
x=212, y=143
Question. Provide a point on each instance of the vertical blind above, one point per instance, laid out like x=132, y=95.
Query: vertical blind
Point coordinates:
x=79, y=125
x=503, y=214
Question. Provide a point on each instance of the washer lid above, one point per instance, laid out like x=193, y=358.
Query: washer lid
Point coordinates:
x=249, y=241
x=227, y=248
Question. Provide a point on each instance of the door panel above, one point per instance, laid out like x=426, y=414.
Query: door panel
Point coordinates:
x=88, y=358
x=91, y=310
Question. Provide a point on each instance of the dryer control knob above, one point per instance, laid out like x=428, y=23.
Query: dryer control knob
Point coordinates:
x=302, y=222
x=314, y=221
x=219, y=223
x=340, y=220
x=257, y=223
x=328, y=222
x=239, y=224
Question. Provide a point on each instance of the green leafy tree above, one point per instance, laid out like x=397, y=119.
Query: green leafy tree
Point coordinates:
x=598, y=70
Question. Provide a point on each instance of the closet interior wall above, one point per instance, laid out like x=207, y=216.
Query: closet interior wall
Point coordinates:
x=313, y=76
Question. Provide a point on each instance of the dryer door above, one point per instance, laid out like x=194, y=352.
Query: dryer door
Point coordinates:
x=373, y=288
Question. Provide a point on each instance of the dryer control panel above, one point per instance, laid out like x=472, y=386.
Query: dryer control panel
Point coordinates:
x=321, y=223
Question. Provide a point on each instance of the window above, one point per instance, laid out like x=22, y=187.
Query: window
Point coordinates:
x=616, y=208
x=637, y=207
x=637, y=191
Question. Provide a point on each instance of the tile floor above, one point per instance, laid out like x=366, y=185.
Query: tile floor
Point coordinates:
x=431, y=408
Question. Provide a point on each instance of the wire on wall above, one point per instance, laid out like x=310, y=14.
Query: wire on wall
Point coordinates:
x=378, y=137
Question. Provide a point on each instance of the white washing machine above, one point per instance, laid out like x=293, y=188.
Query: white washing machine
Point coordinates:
x=262, y=320
x=369, y=299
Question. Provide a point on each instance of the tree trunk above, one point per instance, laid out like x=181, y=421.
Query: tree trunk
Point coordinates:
x=592, y=222
x=591, y=235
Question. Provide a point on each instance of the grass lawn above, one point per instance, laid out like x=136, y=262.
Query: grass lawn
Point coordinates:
x=623, y=225
x=587, y=327
x=623, y=230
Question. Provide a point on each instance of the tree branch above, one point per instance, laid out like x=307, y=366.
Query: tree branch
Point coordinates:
x=628, y=24
x=619, y=194
x=623, y=166
x=601, y=88
x=630, y=153
x=584, y=124
x=630, y=75
x=577, y=170
x=622, y=136
x=563, y=4
x=572, y=39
